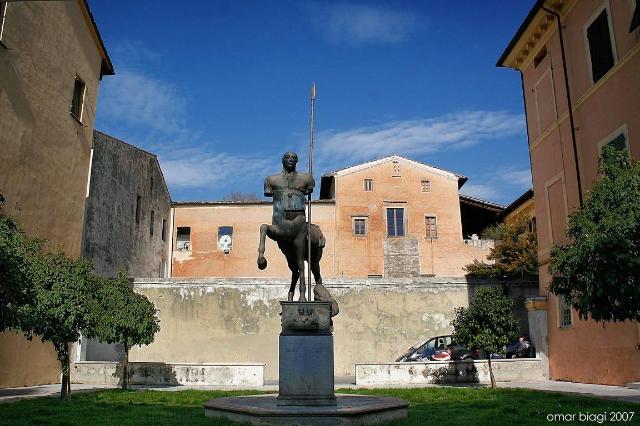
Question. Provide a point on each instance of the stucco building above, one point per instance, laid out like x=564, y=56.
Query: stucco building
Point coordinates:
x=392, y=217
x=51, y=62
x=579, y=62
x=127, y=222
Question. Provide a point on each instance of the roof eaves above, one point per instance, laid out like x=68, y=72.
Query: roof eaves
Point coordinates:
x=106, y=67
x=523, y=27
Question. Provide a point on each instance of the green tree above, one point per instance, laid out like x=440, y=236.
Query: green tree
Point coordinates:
x=60, y=308
x=123, y=316
x=17, y=252
x=597, y=271
x=487, y=324
x=515, y=254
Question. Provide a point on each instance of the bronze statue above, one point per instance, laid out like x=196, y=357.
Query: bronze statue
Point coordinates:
x=288, y=228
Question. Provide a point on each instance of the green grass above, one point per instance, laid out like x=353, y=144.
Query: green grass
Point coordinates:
x=434, y=405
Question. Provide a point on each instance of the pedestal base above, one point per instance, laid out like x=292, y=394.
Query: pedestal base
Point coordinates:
x=306, y=370
x=349, y=410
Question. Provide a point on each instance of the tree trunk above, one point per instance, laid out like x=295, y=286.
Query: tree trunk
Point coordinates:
x=125, y=368
x=493, y=379
x=65, y=388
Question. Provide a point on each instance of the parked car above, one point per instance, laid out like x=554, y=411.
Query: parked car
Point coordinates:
x=439, y=348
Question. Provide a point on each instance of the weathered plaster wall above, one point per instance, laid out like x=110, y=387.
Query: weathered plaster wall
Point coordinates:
x=237, y=320
x=205, y=259
x=113, y=238
x=44, y=159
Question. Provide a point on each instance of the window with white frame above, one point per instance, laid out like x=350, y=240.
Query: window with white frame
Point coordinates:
x=600, y=43
x=564, y=313
x=77, y=102
x=618, y=139
x=395, y=222
x=183, y=238
x=368, y=184
x=359, y=226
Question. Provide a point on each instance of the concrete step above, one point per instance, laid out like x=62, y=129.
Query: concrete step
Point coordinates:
x=633, y=385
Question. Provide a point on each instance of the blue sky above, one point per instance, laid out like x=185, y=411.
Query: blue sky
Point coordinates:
x=220, y=89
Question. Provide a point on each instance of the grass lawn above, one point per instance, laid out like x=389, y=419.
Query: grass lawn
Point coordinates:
x=435, y=405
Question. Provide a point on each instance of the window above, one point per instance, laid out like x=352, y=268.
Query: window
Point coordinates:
x=151, y=184
x=368, y=184
x=77, y=103
x=431, y=227
x=183, y=238
x=564, y=312
x=635, y=20
x=600, y=46
x=225, y=238
x=138, y=202
x=532, y=225
x=3, y=13
x=395, y=222
x=164, y=229
x=618, y=139
x=426, y=185
x=359, y=226
x=151, y=223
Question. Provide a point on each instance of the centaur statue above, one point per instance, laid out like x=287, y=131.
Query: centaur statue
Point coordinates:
x=289, y=229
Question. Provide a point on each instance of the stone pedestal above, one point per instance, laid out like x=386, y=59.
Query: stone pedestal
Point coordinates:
x=306, y=354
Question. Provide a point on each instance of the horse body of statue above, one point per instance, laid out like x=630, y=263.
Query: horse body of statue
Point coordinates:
x=289, y=228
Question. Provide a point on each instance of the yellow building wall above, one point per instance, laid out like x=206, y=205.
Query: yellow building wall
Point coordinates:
x=45, y=155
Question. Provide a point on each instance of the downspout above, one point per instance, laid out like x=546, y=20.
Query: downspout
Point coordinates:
x=526, y=123
x=570, y=104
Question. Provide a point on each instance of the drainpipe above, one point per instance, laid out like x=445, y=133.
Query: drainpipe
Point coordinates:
x=569, y=103
x=526, y=122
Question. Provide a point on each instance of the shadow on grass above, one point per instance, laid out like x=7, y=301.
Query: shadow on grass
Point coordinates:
x=450, y=405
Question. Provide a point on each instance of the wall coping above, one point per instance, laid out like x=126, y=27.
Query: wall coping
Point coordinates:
x=186, y=364
x=475, y=361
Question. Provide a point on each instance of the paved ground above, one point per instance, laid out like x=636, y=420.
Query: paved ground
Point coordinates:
x=598, y=391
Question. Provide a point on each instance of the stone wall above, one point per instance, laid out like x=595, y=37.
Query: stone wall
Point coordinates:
x=412, y=373
x=161, y=374
x=207, y=321
x=401, y=257
x=115, y=237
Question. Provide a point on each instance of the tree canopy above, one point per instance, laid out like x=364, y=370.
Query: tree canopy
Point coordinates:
x=597, y=271
x=515, y=254
x=487, y=324
x=17, y=252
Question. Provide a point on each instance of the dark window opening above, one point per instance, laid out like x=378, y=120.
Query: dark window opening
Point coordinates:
x=151, y=223
x=431, y=227
x=395, y=222
x=635, y=20
x=600, y=47
x=368, y=184
x=77, y=102
x=152, y=184
x=164, y=229
x=138, y=203
x=359, y=226
x=619, y=142
x=225, y=238
x=183, y=238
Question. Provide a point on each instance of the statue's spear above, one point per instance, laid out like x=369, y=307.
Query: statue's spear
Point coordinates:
x=313, y=98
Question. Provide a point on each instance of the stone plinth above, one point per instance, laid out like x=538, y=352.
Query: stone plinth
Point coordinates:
x=306, y=354
x=349, y=410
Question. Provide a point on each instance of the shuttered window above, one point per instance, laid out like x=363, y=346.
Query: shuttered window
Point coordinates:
x=431, y=226
x=600, y=48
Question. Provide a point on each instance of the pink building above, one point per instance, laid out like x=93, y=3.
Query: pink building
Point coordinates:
x=580, y=68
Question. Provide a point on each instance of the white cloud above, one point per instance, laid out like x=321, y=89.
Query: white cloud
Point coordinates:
x=498, y=184
x=202, y=168
x=138, y=100
x=418, y=137
x=482, y=191
x=357, y=24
